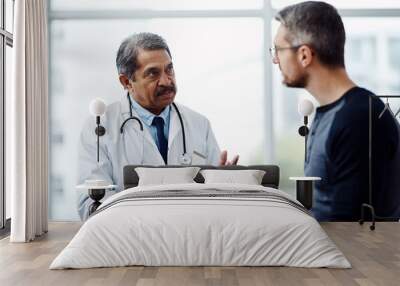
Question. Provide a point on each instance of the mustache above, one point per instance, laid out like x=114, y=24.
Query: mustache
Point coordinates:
x=163, y=89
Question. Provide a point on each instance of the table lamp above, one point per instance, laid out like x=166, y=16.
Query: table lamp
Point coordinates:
x=305, y=108
x=304, y=185
x=97, y=108
x=96, y=187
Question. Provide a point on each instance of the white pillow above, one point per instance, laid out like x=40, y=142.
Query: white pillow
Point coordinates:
x=248, y=177
x=165, y=176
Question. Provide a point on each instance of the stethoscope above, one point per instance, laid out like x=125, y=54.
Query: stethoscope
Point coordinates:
x=184, y=158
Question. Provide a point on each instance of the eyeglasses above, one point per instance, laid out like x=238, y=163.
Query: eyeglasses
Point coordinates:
x=274, y=50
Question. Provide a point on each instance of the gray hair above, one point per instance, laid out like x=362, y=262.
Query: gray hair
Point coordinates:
x=129, y=49
x=318, y=25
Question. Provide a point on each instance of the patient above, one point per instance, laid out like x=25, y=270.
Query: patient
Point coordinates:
x=309, y=50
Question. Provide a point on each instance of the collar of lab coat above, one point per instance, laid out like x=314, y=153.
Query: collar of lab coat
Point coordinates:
x=174, y=125
x=147, y=117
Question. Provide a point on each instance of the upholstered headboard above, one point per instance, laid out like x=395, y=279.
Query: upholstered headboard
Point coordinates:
x=270, y=179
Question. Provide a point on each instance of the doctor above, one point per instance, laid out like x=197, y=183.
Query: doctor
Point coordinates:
x=162, y=133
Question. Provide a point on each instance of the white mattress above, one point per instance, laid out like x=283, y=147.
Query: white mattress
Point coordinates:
x=190, y=230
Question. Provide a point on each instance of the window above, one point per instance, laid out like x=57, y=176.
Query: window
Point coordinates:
x=222, y=66
x=6, y=43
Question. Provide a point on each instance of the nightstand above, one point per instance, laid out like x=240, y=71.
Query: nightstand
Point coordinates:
x=304, y=190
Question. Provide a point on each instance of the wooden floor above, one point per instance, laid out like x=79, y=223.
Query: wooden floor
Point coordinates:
x=374, y=255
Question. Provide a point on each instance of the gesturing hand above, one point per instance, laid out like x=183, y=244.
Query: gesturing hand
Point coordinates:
x=223, y=160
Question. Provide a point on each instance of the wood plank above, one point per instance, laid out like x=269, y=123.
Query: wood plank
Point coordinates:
x=374, y=255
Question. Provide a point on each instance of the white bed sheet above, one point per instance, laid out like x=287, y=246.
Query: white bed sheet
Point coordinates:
x=200, y=231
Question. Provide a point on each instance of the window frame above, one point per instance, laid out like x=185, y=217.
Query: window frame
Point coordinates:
x=265, y=13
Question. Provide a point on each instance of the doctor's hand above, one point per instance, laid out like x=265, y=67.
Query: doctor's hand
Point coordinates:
x=223, y=160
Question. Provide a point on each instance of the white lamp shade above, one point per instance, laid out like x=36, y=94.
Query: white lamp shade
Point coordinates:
x=97, y=107
x=305, y=107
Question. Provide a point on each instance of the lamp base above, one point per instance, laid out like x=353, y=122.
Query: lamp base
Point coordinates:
x=96, y=195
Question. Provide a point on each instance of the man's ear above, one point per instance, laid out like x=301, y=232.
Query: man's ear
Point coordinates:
x=305, y=56
x=124, y=80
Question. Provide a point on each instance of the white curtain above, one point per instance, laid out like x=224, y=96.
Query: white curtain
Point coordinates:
x=29, y=122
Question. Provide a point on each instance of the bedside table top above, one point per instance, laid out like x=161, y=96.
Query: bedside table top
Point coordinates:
x=94, y=187
x=305, y=178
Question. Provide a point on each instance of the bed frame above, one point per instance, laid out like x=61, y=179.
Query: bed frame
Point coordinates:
x=270, y=179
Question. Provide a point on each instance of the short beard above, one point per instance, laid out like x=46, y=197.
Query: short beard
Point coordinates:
x=300, y=82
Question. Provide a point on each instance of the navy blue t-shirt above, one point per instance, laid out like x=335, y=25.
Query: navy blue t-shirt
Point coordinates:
x=338, y=152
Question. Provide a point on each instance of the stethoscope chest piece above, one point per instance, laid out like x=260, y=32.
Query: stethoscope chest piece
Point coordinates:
x=185, y=159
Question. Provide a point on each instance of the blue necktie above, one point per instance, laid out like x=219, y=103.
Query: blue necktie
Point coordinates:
x=158, y=122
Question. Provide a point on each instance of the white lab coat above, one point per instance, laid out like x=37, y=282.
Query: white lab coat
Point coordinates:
x=136, y=147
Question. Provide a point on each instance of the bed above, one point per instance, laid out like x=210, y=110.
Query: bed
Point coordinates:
x=201, y=224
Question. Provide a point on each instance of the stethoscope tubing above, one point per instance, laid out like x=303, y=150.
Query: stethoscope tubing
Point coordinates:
x=132, y=117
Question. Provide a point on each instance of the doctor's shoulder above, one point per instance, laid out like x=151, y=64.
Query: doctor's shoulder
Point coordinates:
x=114, y=111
